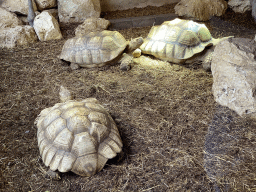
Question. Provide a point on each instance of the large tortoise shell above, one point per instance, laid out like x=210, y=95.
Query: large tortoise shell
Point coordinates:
x=176, y=39
x=94, y=49
x=77, y=136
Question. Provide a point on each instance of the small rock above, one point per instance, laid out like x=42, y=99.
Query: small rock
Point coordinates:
x=92, y=24
x=47, y=27
x=46, y=4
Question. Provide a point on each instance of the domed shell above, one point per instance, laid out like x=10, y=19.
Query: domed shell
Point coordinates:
x=177, y=40
x=94, y=49
x=77, y=136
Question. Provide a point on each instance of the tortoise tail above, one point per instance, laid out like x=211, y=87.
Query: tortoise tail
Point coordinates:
x=216, y=41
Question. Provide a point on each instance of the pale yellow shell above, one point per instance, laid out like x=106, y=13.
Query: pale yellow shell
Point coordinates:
x=177, y=40
x=77, y=136
x=94, y=49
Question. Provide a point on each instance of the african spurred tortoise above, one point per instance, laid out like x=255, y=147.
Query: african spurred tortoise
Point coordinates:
x=77, y=136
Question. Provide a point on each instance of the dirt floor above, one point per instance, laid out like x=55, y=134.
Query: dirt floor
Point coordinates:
x=176, y=137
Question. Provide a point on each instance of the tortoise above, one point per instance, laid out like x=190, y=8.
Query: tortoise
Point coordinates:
x=180, y=41
x=99, y=48
x=77, y=136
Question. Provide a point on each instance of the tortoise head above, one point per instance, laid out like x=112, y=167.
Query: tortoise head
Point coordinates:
x=64, y=94
x=135, y=43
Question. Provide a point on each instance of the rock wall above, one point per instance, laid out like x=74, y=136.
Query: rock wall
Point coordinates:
x=112, y=5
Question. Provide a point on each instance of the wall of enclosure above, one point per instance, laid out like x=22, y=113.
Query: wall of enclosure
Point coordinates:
x=112, y=5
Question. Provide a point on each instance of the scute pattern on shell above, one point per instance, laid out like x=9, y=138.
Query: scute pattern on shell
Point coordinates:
x=176, y=39
x=94, y=49
x=78, y=136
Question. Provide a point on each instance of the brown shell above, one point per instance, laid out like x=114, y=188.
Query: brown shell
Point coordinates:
x=77, y=136
x=94, y=49
x=177, y=39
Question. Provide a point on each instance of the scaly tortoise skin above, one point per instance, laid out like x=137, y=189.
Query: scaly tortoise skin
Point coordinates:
x=77, y=136
x=178, y=40
x=94, y=49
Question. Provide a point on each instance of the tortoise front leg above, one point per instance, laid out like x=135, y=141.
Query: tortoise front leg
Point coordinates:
x=126, y=61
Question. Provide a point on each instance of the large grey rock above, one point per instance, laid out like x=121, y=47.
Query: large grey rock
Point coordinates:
x=46, y=4
x=17, y=6
x=8, y=19
x=73, y=11
x=240, y=6
x=201, y=10
x=47, y=27
x=16, y=36
x=234, y=75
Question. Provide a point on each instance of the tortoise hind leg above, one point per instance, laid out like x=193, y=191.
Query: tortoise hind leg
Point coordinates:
x=53, y=174
x=74, y=66
x=207, y=59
